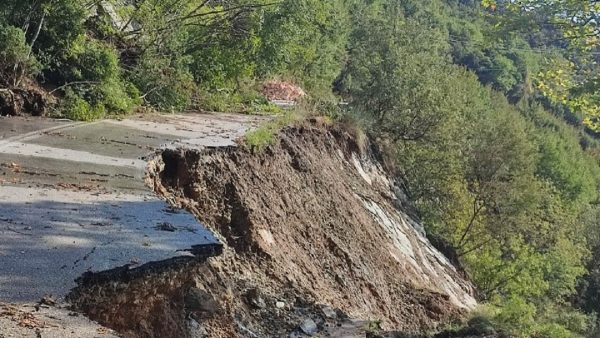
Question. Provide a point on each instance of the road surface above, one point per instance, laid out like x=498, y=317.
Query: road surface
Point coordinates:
x=73, y=198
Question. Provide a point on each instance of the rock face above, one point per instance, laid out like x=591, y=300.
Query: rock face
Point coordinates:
x=316, y=216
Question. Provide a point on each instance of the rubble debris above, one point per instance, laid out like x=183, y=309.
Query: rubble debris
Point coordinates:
x=47, y=300
x=281, y=90
x=329, y=312
x=309, y=327
x=166, y=226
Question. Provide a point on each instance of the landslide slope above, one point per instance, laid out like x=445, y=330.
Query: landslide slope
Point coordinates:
x=313, y=219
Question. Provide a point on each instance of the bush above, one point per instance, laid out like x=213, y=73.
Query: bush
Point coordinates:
x=94, y=74
x=118, y=97
x=243, y=101
x=91, y=60
x=165, y=84
x=266, y=135
x=15, y=59
x=75, y=107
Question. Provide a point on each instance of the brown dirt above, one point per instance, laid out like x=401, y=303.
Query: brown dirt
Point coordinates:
x=28, y=99
x=296, y=231
x=149, y=301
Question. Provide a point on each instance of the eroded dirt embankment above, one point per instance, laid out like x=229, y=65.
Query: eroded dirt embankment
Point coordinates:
x=154, y=300
x=311, y=220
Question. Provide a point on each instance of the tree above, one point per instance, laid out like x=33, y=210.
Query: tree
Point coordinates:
x=16, y=60
x=305, y=40
x=575, y=83
x=577, y=19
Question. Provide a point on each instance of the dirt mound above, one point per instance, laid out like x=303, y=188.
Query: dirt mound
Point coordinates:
x=281, y=90
x=312, y=221
x=28, y=100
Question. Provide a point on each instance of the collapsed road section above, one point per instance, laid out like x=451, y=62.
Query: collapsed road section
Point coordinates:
x=318, y=239
x=309, y=237
x=73, y=203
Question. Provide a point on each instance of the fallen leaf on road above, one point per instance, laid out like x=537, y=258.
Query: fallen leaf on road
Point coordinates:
x=14, y=167
x=102, y=330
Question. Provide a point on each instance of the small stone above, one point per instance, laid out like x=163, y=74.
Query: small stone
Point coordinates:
x=309, y=327
x=198, y=300
x=255, y=299
x=47, y=300
x=295, y=334
x=329, y=312
x=195, y=329
x=280, y=305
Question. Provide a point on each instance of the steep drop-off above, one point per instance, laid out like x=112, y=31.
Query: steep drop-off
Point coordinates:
x=312, y=220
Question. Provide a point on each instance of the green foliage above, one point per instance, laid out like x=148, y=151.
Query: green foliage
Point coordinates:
x=247, y=100
x=305, y=40
x=262, y=137
x=457, y=97
x=517, y=318
x=164, y=83
x=16, y=60
x=575, y=27
x=230, y=59
x=94, y=74
x=76, y=108
x=485, y=175
x=117, y=96
x=266, y=134
x=91, y=60
x=564, y=163
x=397, y=75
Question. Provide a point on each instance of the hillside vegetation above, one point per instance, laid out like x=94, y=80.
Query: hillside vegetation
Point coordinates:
x=485, y=110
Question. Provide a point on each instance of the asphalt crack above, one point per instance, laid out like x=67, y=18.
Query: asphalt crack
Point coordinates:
x=85, y=257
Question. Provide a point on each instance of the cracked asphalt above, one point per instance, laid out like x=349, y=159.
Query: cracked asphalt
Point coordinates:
x=73, y=198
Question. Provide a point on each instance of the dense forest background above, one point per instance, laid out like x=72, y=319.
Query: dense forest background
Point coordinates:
x=487, y=110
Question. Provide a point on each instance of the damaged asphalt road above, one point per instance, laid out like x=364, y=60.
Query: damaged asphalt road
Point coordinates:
x=73, y=198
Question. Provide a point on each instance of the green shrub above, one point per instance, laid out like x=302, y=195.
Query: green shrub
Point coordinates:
x=553, y=330
x=241, y=101
x=91, y=60
x=165, y=84
x=118, y=97
x=94, y=74
x=261, y=137
x=15, y=59
x=75, y=107
x=266, y=134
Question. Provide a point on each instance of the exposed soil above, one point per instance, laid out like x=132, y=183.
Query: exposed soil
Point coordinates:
x=149, y=301
x=27, y=100
x=299, y=238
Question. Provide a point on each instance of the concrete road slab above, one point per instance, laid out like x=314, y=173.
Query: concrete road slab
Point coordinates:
x=73, y=200
x=50, y=237
x=43, y=172
x=20, y=126
x=106, y=138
